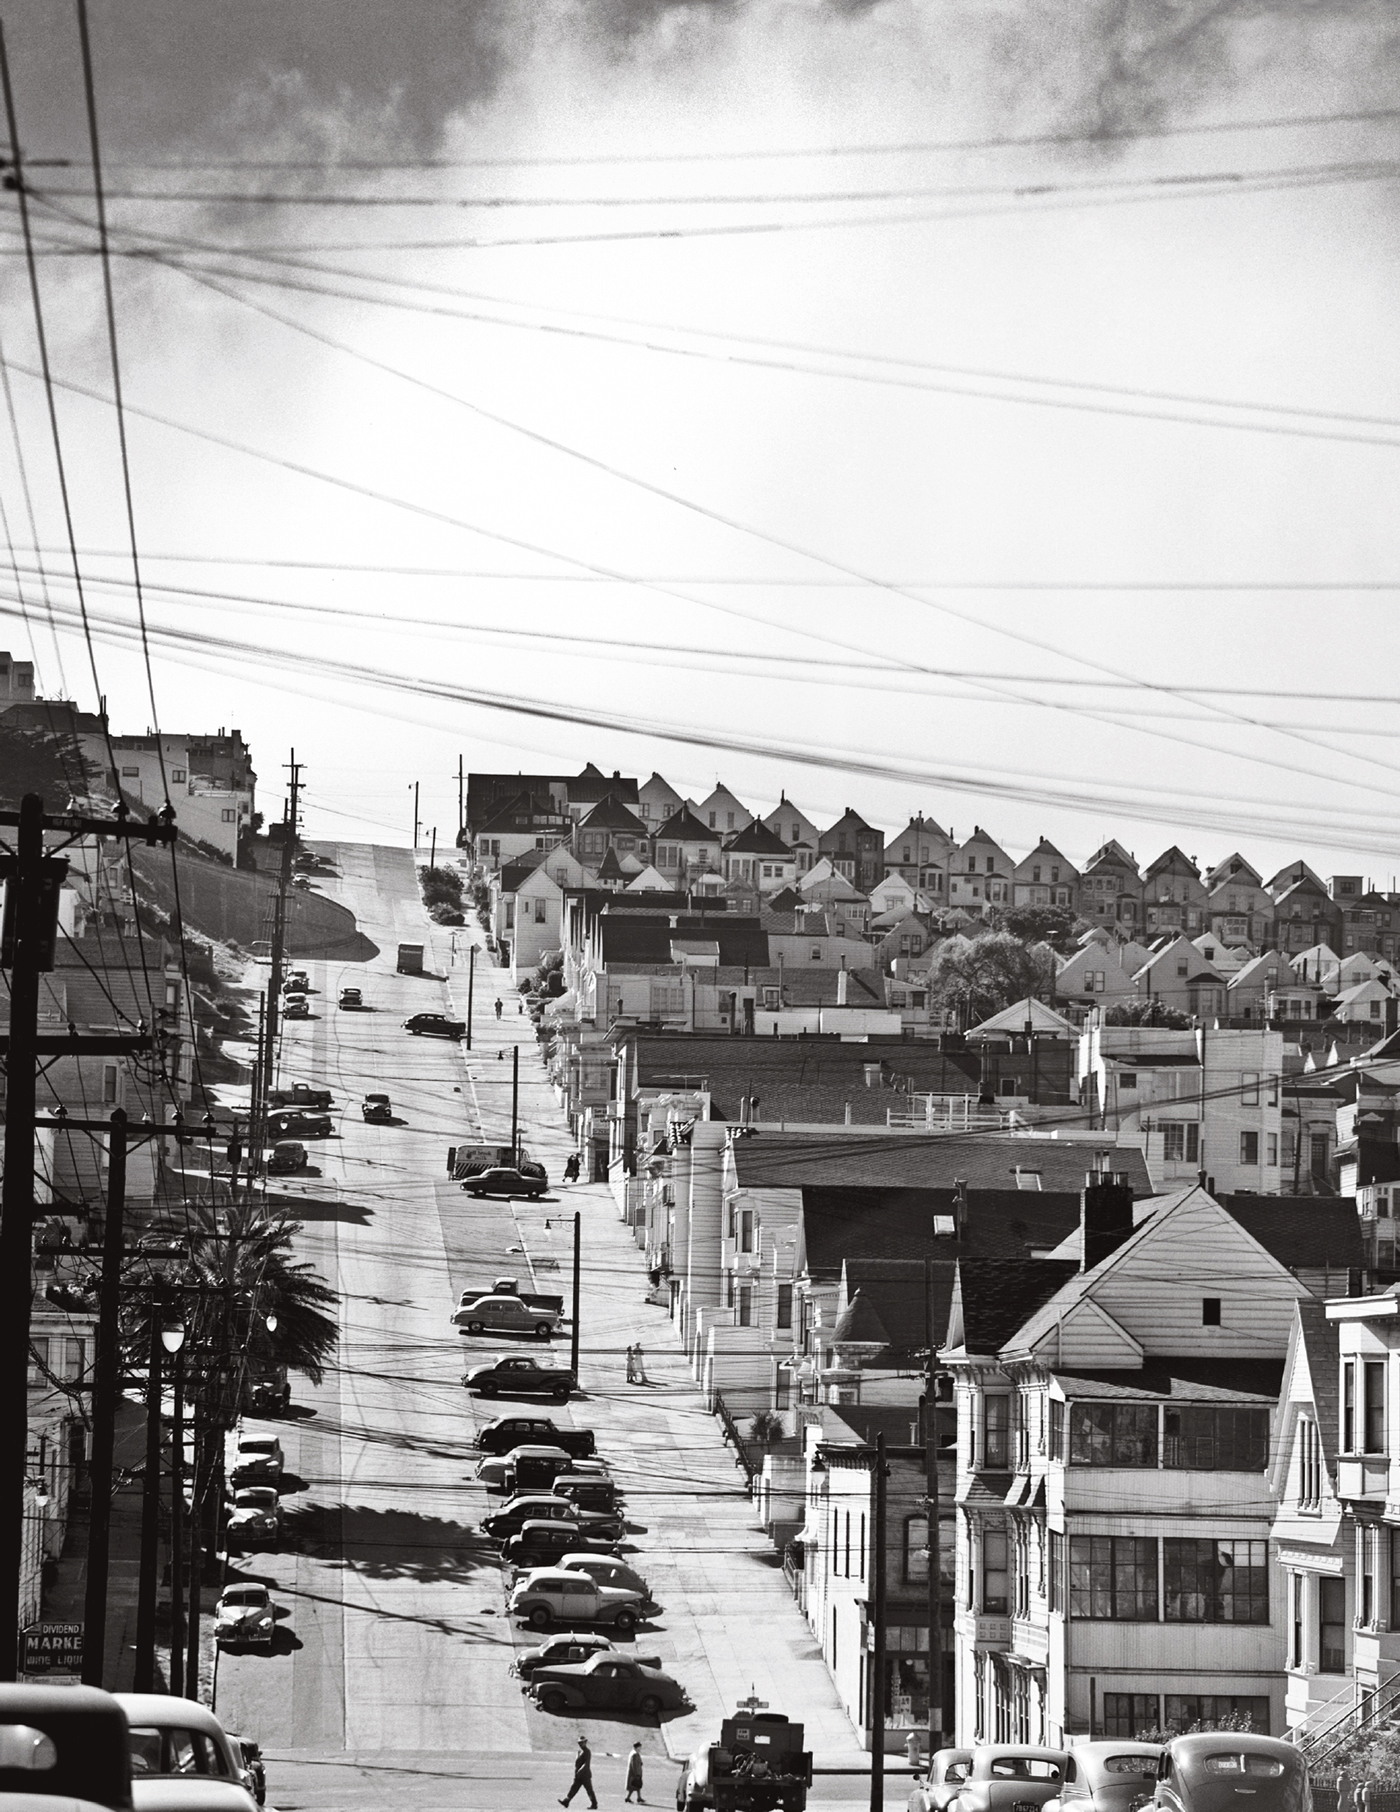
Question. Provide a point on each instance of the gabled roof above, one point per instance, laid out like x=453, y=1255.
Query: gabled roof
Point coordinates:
x=822, y=874
x=515, y=871
x=982, y=1160
x=684, y=827
x=1045, y=851
x=1259, y=969
x=591, y=784
x=610, y=868
x=1112, y=855
x=993, y=1297
x=919, y=827
x=1307, y=1232
x=860, y=1325
x=1013, y=1019
x=850, y=820
x=523, y=813
x=612, y=815
x=1232, y=868
x=1374, y=989
x=787, y=899
x=1289, y=875
x=895, y=1290
x=1172, y=858
x=758, y=840
x=1321, y=1342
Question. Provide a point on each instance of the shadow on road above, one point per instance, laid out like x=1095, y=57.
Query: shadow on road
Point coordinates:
x=305, y=1209
x=388, y=1544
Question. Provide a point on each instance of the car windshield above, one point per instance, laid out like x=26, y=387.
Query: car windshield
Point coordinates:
x=243, y=1595
x=1023, y=1768
x=175, y=1750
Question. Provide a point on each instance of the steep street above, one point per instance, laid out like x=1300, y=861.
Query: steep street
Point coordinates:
x=390, y=1677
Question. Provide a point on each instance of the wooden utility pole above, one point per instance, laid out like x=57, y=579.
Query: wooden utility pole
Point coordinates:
x=515, y=1103
x=877, y=1659
x=28, y=934
x=461, y=802
x=106, y=1373
x=935, y=1532
x=573, y=1324
x=279, y=929
x=471, y=991
x=144, y=1672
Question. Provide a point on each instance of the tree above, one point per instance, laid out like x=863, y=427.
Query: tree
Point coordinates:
x=1053, y=925
x=976, y=977
x=34, y=761
x=1146, y=1013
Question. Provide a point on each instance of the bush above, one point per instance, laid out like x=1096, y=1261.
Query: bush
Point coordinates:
x=441, y=887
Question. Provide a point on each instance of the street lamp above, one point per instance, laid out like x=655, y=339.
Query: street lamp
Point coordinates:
x=172, y=1334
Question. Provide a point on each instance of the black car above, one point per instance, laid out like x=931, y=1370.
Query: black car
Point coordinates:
x=296, y=1123
x=521, y=1376
x=560, y=1651
x=507, y=1432
x=507, y=1180
x=435, y=1025
x=542, y=1541
x=541, y=1506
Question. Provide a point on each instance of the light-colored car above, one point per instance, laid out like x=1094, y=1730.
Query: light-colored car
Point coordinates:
x=505, y=1315
x=377, y=1107
x=296, y=1006
x=1110, y=1775
x=602, y=1569
x=947, y=1770
x=255, y=1518
x=1008, y=1777
x=181, y=1758
x=258, y=1460
x=553, y=1595
x=245, y=1617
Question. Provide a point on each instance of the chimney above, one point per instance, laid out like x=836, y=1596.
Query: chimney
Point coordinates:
x=842, y=980
x=872, y=1074
x=1105, y=1216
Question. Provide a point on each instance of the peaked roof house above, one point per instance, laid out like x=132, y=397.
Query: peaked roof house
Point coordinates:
x=684, y=847
x=657, y=800
x=919, y=855
x=1110, y=888
x=721, y=811
x=526, y=821
x=979, y=875
x=854, y=849
x=1173, y=898
x=1177, y=975
x=1304, y=912
x=758, y=855
x=1114, y=1411
x=1095, y=976
x=796, y=830
x=591, y=785
x=1239, y=908
x=609, y=827
x=1045, y=878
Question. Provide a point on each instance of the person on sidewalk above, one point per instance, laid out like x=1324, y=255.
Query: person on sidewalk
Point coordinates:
x=571, y=1168
x=583, y=1774
x=631, y=1365
x=634, y=1774
x=636, y=1369
x=498, y=1007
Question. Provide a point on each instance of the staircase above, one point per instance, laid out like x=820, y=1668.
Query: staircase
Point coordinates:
x=1369, y=1712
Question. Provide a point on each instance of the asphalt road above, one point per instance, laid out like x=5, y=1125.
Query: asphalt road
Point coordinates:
x=390, y=1680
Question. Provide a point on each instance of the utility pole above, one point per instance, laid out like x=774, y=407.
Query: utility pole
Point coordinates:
x=279, y=927
x=106, y=1372
x=144, y=1676
x=573, y=1324
x=177, y=1529
x=877, y=1659
x=935, y=1531
x=515, y=1103
x=461, y=802
x=27, y=937
x=471, y=991
x=415, y=820
x=432, y=857
x=196, y=1544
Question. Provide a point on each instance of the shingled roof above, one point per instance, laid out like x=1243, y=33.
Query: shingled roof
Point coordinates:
x=684, y=827
x=859, y=1226
x=758, y=840
x=928, y=1161
x=1303, y=1232
x=612, y=815
x=993, y=1297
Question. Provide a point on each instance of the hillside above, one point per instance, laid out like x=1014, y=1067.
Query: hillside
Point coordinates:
x=236, y=906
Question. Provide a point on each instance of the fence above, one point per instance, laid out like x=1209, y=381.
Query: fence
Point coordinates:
x=736, y=1440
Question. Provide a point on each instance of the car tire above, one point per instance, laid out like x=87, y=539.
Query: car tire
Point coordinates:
x=649, y=1706
x=553, y=1701
x=542, y=1332
x=485, y=1390
x=625, y=1622
x=540, y=1618
x=476, y=1327
x=559, y=1396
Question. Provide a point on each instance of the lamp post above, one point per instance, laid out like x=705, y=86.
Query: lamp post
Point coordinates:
x=176, y=1333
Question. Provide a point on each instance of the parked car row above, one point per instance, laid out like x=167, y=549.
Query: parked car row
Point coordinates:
x=1200, y=1772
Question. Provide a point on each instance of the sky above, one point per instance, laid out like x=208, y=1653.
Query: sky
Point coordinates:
x=915, y=406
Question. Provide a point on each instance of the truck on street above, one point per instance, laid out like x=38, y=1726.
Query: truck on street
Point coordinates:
x=758, y=1765
x=410, y=959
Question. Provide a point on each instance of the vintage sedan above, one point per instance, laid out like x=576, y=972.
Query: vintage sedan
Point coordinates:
x=257, y=1461
x=1009, y=1777
x=351, y=998
x=435, y=1025
x=298, y=1123
x=520, y=1377
x=245, y=1617
x=255, y=1519
x=503, y=1433
x=1211, y=1770
x=607, y=1683
x=378, y=1109
x=543, y=1542
x=568, y=1648
x=505, y=1179
x=1108, y=1775
x=545, y=1507
x=947, y=1770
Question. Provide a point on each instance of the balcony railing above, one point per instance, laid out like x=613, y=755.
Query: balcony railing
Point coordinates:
x=949, y=1113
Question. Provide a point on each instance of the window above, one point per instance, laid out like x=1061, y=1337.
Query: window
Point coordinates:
x=915, y=1549
x=745, y=1305
x=109, y=1085
x=1331, y=1626
x=1395, y=1579
x=995, y=1598
x=1127, y=1713
x=1113, y=1576
x=1366, y=1538
x=1271, y=1149
x=1349, y=1406
x=541, y=912
x=1113, y=1434
x=1182, y=1710
x=131, y=773
x=784, y=1305
x=177, y=776
x=228, y=816
x=1374, y=1401
x=1215, y=1581
x=1249, y=1148
x=996, y=1430
x=1295, y=1620
x=1057, y=1429
x=1249, y=1091
x=1310, y=1468
x=816, y=953
x=746, y=1230
x=1181, y=1141
x=1210, y=1438
x=712, y=820
x=1210, y=1311
x=1128, y=1079
x=1035, y=874
x=1057, y=1570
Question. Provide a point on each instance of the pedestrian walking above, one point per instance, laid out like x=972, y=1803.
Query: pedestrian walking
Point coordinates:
x=571, y=1168
x=498, y=1007
x=583, y=1774
x=631, y=1365
x=638, y=1373
x=634, y=1774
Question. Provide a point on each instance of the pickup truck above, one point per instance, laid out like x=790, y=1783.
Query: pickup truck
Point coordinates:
x=504, y=1433
x=300, y=1094
x=553, y=1596
x=606, y=1683
x=510, y=1286
x=505, y=1315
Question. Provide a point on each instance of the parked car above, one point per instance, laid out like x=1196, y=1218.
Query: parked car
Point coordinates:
x=466, y=1161
x=245, y=1617
x=539, y=1505
x=523, y=1469
x=254, y=1773
x=589, y=1491
x=1108, y=1775
x=1205, y=1771
x=296, y=1006
x=170, y=1741
x=64, y=1747
x=947, y=1770
x=505, y=1315
x=351, y=997
x=297, y=982
x=257, y=1460
x=543, y=1542
x=301, y=1094
x=287, y=1155
x=521, y=1376
x=606, y=1683
x=505, y=1179
x=377, y=1107
x=503, y=1433
x=1008, y=1777
x=553, y=1596
x=298, y=1123
x=567, y=1647
x=255, y=1519
x=603, y=1569
x=435, y=1025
